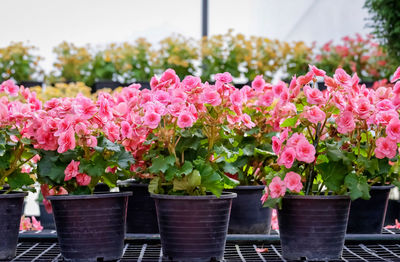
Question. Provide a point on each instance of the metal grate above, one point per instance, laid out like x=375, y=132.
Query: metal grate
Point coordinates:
x=49, y=251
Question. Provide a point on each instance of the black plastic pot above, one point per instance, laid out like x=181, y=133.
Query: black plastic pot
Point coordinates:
x=90, y=227
x=313, y=227
x=141, y=213
x=368, y=216
x=30, y=83
x=11, y=205
x=193, y=228
x=105, y=84
x=46, y=219
x=248, y=215
x=392, y=212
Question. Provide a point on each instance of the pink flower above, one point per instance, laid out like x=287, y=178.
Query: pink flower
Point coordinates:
x=393, y=129
x=266, y=99
x=66, y=141
x=71, y=170
x=258, y=83
x=191, y=82
x=314, y=95
x=345, y=122
x=276, y=145
x=384, y=117
x=169, y=78
x=305, y=152
x=91, y=141
x=25, y=223
x=316, y=71
x=342, y=78
x=151, y=120
x=185, y=119
x=287, y=157
x=265, y=195
x=9, y=87
x=210, y=96
x=277, y=187
x=162, y=97
x=363, y=108
x=36, y=224
x=126, y=130
x=83, y=179
x=295, y=139
x=112, y=131
x=293, y=182
x=304, y=80
x=385, y=105
x=385, y=147
x=105, y=111
x=279, y=88
x=246, y=119
x=237, y=98
x=314, y=114
x=396, y=75
x=223, y=77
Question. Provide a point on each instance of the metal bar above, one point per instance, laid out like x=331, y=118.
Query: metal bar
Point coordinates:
x=277, y=252
x=44, y=252
x=390, y=231
x=354, y=254
x=161, y=255
x=262, y=258
x=240, y=253
x=204, y=18
x=56, y=258
x=366, y=249
x=390, y=251
x=142, y=252
x=26, y=251
x=125, y=248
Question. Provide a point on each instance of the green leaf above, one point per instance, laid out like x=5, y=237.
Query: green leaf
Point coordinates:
x=262, y=152
x=50, y=167
x=187, y=168
x=124, y=159
x=104, y=143
x=333, y=174
x=171, y=173
x=273, y=202
x=161, y=164
x=290, y=122
x=96, y=167
x=194, y=179
x=248, y=150
x=211, y=180
x=154, y=185
x=110, y=179
x=229, y=183
x=230, y=168
x=334, y=153
x=17, y=180
x=358, y=186
x=188, y=183
x=81, y=190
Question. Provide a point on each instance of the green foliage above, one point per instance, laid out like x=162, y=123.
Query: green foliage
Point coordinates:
x=358, y=186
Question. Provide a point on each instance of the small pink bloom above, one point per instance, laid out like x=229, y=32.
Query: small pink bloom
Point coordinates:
x=151, y=120
x=9, y=87
x=266, y=99
x=314, y=95
x=112, y=131
x=363, y=108
x=265, y=195
x=314, y=114
x=279, y=88
x=396, y=88
x=305, y=152
x=287, y=157
x=191, y=82
x=342, y=78
x=316, y=71
x=384, y=117
x=126, y=130
x=71, y=170
x=91, y=141
x=258, y=83
x=293, y=182
x=277, y=187
x=36, y=224
x=345, y=122
x=237, y=98
x=276, y=145
x=210, y=96
x=83, y=179
x=66, y=141
x=185, y=119
x=246, y=119
x=385, y=147
x=162, y=96
x=295, y=139
x=25, y=223
x=105, y=111
x=223, y=77
x=304, y=80
x=393, y=129
x=170, y=78
x=396, y=75
x=385, y=105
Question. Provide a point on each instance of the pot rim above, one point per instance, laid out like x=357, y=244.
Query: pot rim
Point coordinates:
x=384, y=187
x=308, y=197
x=14, y=194
x=131, y=182
x=248, y=187
x=99, y=195
x=224, y=195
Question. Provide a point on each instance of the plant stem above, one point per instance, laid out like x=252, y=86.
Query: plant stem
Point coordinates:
x=311, y=172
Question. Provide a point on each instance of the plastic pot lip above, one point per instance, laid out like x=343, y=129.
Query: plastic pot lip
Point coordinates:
x=250, y=187
x=385, y=187
x=100, y=195
x=13, y=194
x=224, y=195
x=131, y=183
x=318, y=197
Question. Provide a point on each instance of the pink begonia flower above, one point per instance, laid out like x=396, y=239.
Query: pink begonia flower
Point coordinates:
x=112, y=131
x=258, y=83
x=121, y=109
x=126, y=130
x=274, y=220
x=185, y=119
x=105, y=111
x=81, y=129
x=83, y=179
x=266, y=99
x=246, y=119
x=191, y=82
x=364, y=108
x=396, y=88
x=395, y=226
x=304, y=80
x=25, y=223
x=9, y=87
x=36, y=224
x=276, y=145
x=91, y=141
x=210, y=96
x=305, y=152
x=66, y=141
x=342, y=78
x=295, y=139
x=316, y=71
x=393, y=129
x=384, y=117
x=264, y=197
x=277, y=187
x=223, y=77
x=314, y=95
x=162, y=97
x=284, y=134
x=314, y=114
x=385, y=105
x=72, y=170
x=287, y=157
x=151, y=120
x=237, y=98
x=396, y=75
x=279, y=88
x=345, y=122
x=385, y=147
x=293, y=182
x=169, y=76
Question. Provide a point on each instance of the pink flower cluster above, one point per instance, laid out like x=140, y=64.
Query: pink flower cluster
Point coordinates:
x=30, y=224
x=278, y=187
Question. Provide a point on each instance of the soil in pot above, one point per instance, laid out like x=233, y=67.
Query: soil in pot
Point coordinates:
x=248, y=215
x=90, y=227
x=11, y=205
x=313, y=227
x=193, y=228
x=368, y=216
x=141, y=213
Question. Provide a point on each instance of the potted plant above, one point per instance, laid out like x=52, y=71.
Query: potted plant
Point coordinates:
x=316, y=163
x=72, y=63
x=374, y=145
x=18, y=62
x=77, y=142
x=187, y=120
x=17, y=105
x=298, y=57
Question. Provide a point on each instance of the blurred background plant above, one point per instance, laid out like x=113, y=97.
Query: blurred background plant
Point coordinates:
x=61, y=90
x=105, y=65
x=298, y=56
x=18, y=62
